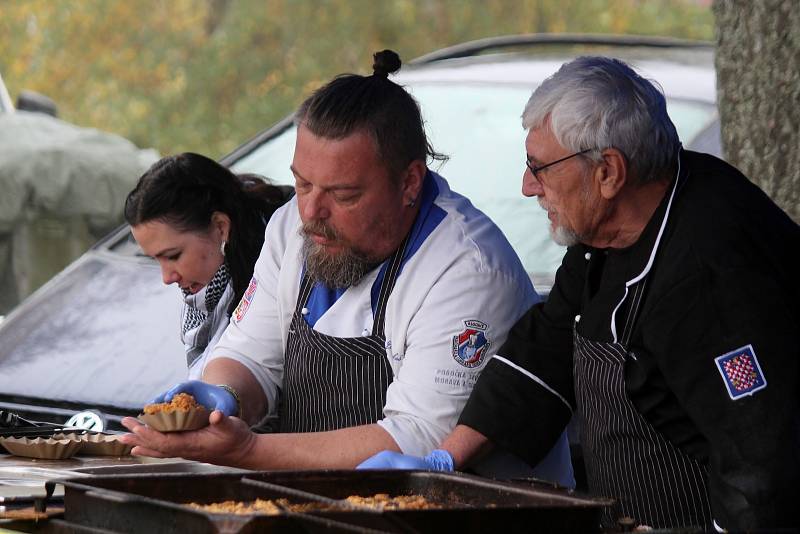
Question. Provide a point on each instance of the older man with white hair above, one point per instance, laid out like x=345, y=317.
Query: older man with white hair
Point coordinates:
x=671, y=331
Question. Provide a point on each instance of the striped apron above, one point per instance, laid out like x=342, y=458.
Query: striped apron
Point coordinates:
x=653, y=481
x=336, y=382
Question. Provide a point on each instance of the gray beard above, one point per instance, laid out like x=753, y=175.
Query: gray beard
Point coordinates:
x=345, y=269
x=564, y=236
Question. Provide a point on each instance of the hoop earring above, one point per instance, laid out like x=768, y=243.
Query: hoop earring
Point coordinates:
x=222, y=248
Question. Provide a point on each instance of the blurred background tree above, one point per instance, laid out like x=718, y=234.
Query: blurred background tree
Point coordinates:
x=758, y=80
x=205, y=75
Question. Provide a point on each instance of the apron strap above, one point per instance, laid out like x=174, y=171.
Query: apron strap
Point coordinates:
x=306, y=285
x=389, y=279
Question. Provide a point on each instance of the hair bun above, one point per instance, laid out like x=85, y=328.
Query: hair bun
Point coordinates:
x=385, y=62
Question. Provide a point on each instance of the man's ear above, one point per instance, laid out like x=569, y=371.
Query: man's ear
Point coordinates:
x=412, y=181
x=221, y=223
x=612, y=174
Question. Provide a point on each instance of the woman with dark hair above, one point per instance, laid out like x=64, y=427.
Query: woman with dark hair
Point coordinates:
x=204, y=225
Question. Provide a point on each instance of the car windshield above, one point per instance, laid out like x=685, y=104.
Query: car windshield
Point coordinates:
x=474, y=125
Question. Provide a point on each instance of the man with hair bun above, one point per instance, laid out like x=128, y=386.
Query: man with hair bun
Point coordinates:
x=671, y=332
x=378, y=298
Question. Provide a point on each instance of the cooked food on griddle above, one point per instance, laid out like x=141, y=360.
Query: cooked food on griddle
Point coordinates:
x=381, y=501
x=384, y=502
x=260, y=506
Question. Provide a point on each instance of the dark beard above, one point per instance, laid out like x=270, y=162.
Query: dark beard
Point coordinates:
x=342, y=270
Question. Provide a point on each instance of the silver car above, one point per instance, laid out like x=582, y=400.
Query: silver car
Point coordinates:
x=104, y=333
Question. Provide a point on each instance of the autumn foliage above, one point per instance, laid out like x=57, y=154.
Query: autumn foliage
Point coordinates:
x=204, y=75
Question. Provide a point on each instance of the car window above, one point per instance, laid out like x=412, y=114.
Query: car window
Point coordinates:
x=479, y=127
x=691, y=118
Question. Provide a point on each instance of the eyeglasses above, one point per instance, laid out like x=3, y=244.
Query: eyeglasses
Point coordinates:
x=535, y=170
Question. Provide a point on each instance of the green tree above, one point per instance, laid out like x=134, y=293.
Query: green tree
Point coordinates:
x=203, y=75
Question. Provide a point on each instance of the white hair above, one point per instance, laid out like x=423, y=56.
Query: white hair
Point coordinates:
x=596, y=103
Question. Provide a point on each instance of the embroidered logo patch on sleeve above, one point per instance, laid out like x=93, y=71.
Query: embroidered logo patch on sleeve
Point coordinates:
x=470, y=346
x=741, y=372
x=247, y=298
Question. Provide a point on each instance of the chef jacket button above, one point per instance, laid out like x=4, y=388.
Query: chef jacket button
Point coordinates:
x=588, y=256
x=304, y=311
x=577, y=318
x=365, y=332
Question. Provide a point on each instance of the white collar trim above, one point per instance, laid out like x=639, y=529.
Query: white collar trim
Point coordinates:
x=649, y=265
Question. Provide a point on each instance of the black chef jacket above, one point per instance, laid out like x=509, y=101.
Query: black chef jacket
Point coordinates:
x=724, y=276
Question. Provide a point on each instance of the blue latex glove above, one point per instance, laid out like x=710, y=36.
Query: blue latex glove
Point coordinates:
x=211, y=396
x=437, y=460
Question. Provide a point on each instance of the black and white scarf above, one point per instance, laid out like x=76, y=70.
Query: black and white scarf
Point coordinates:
x=200, y=314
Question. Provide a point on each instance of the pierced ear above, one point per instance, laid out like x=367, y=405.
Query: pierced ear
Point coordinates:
x=612, y=174
x=412, y=181
x=221, y=222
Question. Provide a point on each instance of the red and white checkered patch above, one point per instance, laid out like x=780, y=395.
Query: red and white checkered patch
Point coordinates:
x=741, y=372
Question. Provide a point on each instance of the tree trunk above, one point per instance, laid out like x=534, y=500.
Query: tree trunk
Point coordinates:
x=758, y=81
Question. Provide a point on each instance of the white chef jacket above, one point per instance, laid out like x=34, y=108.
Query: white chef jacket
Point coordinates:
x=461, y=285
